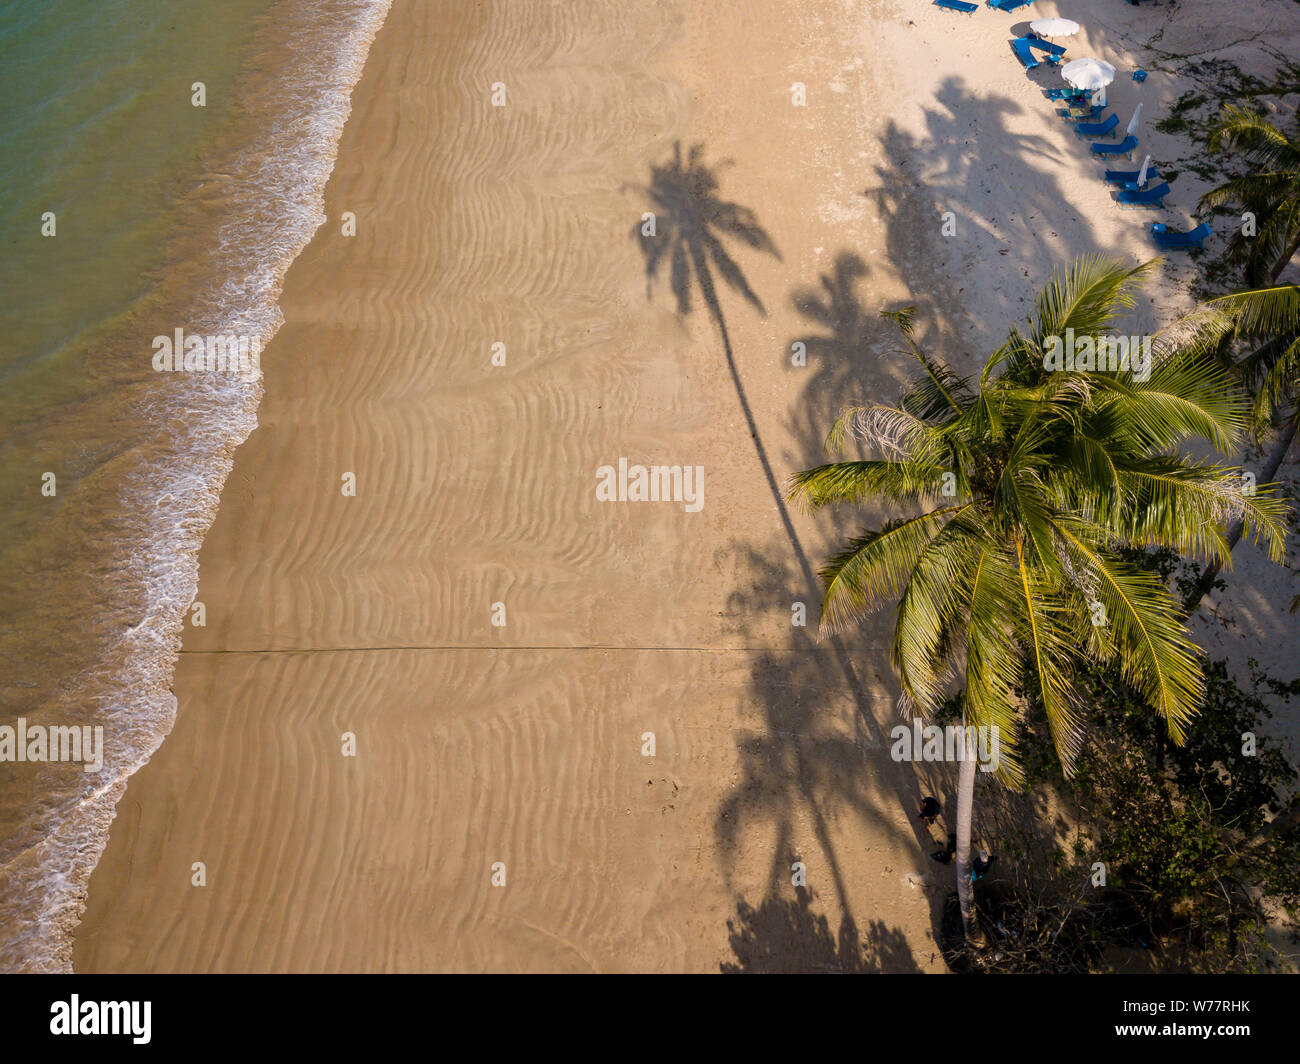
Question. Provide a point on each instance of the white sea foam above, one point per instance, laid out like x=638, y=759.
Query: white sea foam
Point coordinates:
x=275, y=185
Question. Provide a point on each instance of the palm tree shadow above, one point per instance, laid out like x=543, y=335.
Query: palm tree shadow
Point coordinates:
x=690, y=222
x=1002, y=186
x=816, y=748
x=847, y=351
x=786, y=936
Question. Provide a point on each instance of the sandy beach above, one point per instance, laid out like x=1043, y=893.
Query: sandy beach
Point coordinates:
x=501, y=811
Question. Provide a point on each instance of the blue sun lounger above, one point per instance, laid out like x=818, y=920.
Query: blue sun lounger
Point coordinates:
x=1147, y=197
x=1124, y=147
x=1067, y=94
x=1128, y=178
x=1023, y=52
x=1009, y=5
x=958, y=5
x=1091, y=130
x=1054, y=51
x=1179, y=241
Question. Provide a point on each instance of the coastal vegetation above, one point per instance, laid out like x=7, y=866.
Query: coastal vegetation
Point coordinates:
x=1180, y=856
x=1261, y=326
x=1025, y=577
x=1269, y=191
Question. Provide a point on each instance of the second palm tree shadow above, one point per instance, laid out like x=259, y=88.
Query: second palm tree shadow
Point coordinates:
x=685, y=231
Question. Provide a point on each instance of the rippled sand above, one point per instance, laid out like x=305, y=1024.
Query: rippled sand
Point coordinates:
x=372, y=614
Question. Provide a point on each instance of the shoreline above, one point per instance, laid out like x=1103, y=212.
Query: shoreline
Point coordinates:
x=150, y=455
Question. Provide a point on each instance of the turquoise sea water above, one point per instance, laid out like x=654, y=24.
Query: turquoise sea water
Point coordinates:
x=165, y=216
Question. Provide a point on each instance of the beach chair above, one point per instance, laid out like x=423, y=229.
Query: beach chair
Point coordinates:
x=1082, y=116
x=958, y=5
x=1023, y=52
x=1128, y=178
x=1147, y=197
x=1124, y=147
x=1009, y=5
x=1093, y=130
x=1054, y=51
x=1179, y=241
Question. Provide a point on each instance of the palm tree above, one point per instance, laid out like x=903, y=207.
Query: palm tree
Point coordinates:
x=1014, y=574
x=1271, y=191
x=1268, y=320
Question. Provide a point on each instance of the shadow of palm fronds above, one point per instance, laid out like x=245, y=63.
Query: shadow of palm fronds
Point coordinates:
x=786, y=936
x=691, y=222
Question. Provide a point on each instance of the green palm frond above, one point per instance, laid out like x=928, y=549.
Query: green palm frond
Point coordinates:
x=1266, y=319
x=1259, y=312
x=1246, y=129
x=1183, y=399
x=876, y=566
x=939, y=392
x=1056, y=471
x=1272, y=371
x=840, y=482
x=1152, y=648
x=930, y=609
x=1087, y=298
x=1270, y=190
x=1185, y=506
x=1045, y=634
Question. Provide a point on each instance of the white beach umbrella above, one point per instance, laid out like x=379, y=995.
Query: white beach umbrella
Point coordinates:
x=1133, y=122
x=1088, y=73
x=1054, y=27
x=1142, y=177
x=1094, y=74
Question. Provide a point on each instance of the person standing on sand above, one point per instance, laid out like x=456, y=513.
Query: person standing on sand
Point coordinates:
x=930, y=810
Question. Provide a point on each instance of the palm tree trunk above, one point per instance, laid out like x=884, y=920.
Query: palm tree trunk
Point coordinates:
x=1284, y=260
x=1266, y=475
x=965, y=804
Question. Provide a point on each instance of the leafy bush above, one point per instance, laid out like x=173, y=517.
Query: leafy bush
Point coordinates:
x=1193, y=874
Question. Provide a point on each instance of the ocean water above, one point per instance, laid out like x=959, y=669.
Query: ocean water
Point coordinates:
x=165, y=215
